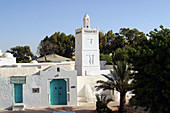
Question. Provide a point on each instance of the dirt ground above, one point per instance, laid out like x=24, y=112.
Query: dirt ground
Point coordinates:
x=82, y=108
x=77, y=109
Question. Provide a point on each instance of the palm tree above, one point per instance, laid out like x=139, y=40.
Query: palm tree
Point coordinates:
x=119, y=81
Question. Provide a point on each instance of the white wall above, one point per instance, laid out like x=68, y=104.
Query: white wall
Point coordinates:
x=6, y=93
x=18, y=71
x=86, y=87
x=7, y=61
x=41, y=81
x=87, y=51
x=102, y=65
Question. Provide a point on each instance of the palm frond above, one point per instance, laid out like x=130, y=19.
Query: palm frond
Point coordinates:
x=119, y=78
x=97, y=97
x=109, y=78
x=104, y=87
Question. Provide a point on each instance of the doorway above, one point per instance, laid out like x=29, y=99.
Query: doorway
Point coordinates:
x=18, y=95
x=58, y=92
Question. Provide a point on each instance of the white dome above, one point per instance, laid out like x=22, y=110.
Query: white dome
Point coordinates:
x=7, y=55
x=34, y=62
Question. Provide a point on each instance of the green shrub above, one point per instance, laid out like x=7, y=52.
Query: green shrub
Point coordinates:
x=106, y=57
x=101, y=104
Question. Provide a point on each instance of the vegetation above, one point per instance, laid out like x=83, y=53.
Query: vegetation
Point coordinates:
x=106, y=57
x=151, y=61
x=59, y=44
x=131, y=35
x=110, y=41
x=101, y=104
x=64, y=45
x=119, y=80
x=22, y=53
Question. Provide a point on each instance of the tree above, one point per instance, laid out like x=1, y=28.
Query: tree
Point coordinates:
x=105, y=41
x=59, y=44
x=131, y=35
x=22, y=53
x=106, y=57
x=119, y=80
x=122, y=54
x=110, y=42
x=117, y=42
x=151, y=61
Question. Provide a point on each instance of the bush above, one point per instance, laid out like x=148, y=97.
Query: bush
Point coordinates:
x=106, y=57
x=101, y=104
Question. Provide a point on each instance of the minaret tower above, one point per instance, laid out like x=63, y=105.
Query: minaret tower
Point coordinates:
x=87, y=49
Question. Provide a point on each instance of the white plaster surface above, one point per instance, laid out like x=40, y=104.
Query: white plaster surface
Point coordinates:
x=102, y=65
x=14, y=71
x=86, y=88
x=6, y=93
x=7, y=61
x=39, y=80
x=1, y=53
x=87, y=50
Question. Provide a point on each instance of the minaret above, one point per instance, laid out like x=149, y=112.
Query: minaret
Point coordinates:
x=87, y=49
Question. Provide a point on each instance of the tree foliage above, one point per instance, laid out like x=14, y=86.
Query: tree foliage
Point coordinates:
x=110, y=41
x=122, y=54
x=151, y=61
x=106, y=57
x=22, y=53
x=59, y=44
x=131, y=35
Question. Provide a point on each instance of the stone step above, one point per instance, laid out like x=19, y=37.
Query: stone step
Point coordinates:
x=18, y=107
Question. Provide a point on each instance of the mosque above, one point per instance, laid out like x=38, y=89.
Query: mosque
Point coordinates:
x=31, y=85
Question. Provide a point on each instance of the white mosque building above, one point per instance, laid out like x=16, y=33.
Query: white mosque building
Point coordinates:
x=31, y=85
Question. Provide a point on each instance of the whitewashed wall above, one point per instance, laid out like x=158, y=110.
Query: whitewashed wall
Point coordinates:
x=41, y=81
x=7, y=61
x=6, y=93
x=87, y=51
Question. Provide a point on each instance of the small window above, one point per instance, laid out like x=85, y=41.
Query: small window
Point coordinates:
x=35, y=90
x=58, y=69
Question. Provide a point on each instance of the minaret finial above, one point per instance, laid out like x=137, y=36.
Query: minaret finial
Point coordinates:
x=86, y=21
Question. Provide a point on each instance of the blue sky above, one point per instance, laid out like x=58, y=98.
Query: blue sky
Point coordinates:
x=27, y=22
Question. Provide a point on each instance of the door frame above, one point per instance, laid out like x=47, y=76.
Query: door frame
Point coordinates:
x=49, y=91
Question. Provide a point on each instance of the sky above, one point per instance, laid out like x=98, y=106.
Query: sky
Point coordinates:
x=27, y=22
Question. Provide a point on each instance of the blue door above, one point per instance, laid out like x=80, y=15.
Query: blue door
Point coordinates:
x=58, y=92
x=18, y=93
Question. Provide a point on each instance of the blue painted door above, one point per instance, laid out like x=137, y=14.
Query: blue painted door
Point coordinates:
x=58, y=92
x=62, y=92
x=18, y=93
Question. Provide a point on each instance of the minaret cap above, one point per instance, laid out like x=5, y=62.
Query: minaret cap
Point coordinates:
x=86, y=21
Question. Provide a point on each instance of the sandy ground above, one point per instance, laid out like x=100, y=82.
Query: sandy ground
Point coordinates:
x=76, y=109
x=82, y=108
